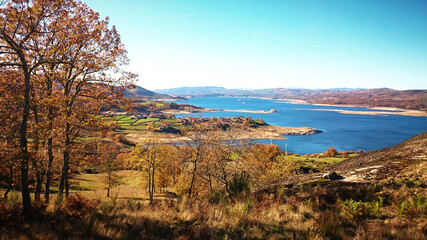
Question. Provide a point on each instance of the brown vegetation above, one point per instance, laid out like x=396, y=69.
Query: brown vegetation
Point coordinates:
x=57, y=60
x=408, y=99
x=56, y=63
x=209, y=188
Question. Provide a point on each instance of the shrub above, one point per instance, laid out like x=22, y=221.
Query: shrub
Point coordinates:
x=122, y=139
x=218, y=197
x=374, y=207
x=414, y=207
x=329, y=224
x=353, y=211
x=239, y=184
x=40, y=205
x=77, y=206
x=9, y=213
x=331, y=152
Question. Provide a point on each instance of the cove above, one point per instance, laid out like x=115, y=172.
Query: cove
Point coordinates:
x=343, y=131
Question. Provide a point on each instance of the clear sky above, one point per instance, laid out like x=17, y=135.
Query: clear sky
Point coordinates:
x=266, y=43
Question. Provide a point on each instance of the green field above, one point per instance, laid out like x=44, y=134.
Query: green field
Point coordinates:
x=129, y=125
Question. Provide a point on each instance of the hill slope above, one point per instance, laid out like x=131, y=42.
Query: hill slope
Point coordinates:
x=202, y=91
x=370, y=166
x=142, y=93
x=379, y=164
x=381, y=97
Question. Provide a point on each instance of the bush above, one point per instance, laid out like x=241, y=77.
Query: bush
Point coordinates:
x=413, y=207
x=374, y=207
x=9, y=213
x=356, y=211
x=329, y=224
x=218, y=197
x=40, y=205
x=331, y=152
x=77, y=206
x=239, y=184
x=353, y=211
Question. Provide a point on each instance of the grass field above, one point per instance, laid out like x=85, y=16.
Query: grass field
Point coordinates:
x=93, y=186
x=129, y=125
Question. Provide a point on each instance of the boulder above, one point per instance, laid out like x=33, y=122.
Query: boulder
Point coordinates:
x=331, y=176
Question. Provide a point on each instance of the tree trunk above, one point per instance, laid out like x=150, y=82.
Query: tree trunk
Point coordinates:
x=67, y=186
x=49, y=146
x=149, y=185
x=23, y=143
x=63, y=183
x=193, y=177
x=9, y=187
x=210, y=182
x=49, y=169
x=109, y=183
x=35, y=161
x=152, y=185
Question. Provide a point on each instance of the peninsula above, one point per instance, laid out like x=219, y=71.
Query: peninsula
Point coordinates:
x=156, y=119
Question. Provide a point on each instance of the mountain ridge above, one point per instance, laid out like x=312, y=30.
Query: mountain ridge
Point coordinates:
x=378, y=97
x=139, y=92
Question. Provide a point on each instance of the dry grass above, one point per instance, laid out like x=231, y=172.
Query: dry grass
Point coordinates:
x=323, y=210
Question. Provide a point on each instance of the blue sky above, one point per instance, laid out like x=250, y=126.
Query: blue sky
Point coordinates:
x=265, y=43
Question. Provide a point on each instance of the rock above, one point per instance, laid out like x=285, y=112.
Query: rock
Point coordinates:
x=331, y=176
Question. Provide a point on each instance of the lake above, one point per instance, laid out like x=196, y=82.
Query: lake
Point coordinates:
x=342, y=131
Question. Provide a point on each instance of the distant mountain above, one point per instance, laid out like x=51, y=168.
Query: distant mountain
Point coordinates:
x=201, y=91
x=221, y=91
x=380, y=97
x=142, y=93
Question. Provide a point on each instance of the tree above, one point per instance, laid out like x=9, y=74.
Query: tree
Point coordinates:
x=22, y=25
x=331, y=152
x=171, y=166
x=148, y=157
x=58, y=47
x=10, y=88
x=108, y=160
x=199, y=139
x=91, y=55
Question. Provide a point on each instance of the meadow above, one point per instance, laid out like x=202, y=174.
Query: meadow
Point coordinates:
x=317, y=210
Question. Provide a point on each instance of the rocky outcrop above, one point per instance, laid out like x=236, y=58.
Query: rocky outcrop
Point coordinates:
x=300, y=131
x=331, y=176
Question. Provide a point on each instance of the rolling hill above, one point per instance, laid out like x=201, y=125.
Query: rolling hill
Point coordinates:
x=371, y=167
x=142, y=93
x=381, y=97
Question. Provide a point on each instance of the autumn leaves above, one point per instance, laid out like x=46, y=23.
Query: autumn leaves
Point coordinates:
x=60, y=62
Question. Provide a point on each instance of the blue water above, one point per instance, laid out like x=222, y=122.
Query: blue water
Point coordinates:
x=343, y=131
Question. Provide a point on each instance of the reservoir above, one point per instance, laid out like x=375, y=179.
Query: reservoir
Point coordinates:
x=342, y=131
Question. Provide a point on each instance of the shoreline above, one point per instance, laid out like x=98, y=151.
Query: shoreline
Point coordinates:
x=250, y=133
x=377, y=113
x=217, y=110
x=385, y=110
x=402, y=112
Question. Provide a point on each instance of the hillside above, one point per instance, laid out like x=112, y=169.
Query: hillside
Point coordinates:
x=369, y=167
x=202, y=91
x=382, y=97
x=142, y=93
x=380, y=164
